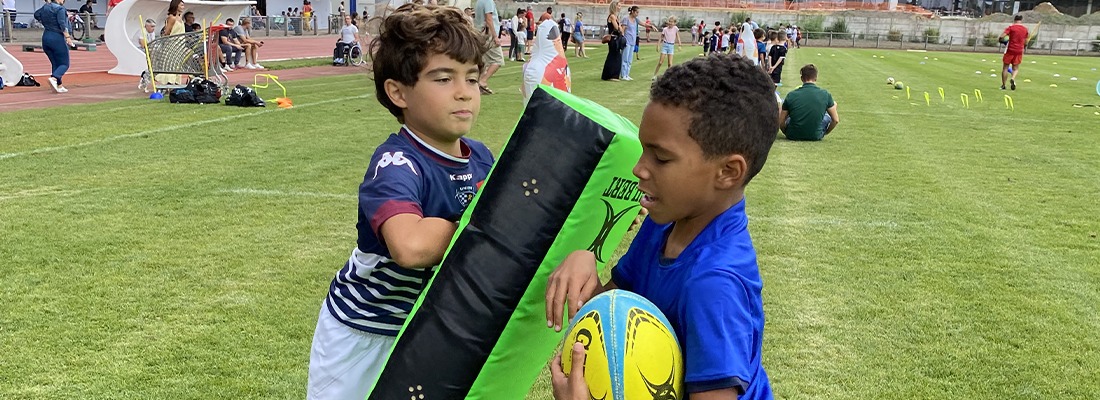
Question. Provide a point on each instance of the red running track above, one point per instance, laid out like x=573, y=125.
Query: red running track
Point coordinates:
x=89, y=82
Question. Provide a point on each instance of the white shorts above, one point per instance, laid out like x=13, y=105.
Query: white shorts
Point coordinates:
x=344, y=362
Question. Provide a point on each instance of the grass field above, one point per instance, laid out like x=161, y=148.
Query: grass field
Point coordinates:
x=156, y=251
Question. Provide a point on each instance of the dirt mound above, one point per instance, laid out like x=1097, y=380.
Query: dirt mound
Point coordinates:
x=997, y=17
x=1047, y=8
x=1091, y=19
x=1044, y=12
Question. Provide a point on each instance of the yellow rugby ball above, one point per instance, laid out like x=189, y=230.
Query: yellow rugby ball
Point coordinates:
x=632, y=351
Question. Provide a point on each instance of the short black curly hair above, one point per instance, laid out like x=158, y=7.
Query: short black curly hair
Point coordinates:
x=732, y=102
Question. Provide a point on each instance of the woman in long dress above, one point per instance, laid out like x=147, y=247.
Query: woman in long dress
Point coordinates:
x=613, y=65
x=548, y=65
x=173, y=25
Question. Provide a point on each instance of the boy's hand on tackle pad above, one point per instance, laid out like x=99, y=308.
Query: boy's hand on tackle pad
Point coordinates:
x=573, y=283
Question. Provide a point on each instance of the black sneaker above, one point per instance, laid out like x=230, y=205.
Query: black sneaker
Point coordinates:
x=1013, y=82
x=1002, y=87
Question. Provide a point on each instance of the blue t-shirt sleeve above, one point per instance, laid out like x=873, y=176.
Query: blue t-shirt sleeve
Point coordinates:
x=624, y=275
x=390, y=187
x=719, y=335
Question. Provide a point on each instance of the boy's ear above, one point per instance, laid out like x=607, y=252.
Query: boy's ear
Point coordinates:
x=732, y=171
x=396, y=92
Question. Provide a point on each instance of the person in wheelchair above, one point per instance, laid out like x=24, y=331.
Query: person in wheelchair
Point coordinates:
x=348, y=45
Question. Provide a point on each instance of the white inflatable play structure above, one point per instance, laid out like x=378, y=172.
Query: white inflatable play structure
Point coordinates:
x=10, y=68
x=125, y=23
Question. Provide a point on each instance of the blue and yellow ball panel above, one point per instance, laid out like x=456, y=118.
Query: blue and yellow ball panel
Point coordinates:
x=634, y=356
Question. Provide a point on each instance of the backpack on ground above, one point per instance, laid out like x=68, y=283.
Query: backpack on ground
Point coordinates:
x=181, y=95
x=27, y=80
x=244, y=96
x=199, y=91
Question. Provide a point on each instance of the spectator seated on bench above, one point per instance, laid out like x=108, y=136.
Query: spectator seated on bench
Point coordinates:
x=251, y=46
x=231, y=46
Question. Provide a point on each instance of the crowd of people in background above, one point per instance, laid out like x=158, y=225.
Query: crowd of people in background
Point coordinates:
x=540, y=43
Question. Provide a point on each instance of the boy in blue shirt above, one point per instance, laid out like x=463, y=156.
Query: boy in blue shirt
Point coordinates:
x=692, y=257
x=417, y=185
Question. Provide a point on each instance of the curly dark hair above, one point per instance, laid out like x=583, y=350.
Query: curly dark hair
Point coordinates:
x=732, y=102
x=412, y=34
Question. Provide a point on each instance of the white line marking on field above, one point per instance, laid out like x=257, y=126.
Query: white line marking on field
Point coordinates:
x=172, y=128
x=268, y=192
x=45, y=191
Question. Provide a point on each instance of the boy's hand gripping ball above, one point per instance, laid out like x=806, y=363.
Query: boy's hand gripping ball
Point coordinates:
x=632, y=351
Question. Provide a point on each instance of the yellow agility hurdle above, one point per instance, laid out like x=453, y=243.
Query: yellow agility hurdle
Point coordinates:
x=283, y=102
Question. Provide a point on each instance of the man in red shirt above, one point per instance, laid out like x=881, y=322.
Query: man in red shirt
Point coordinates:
x=1017, y=39
x=530, y=29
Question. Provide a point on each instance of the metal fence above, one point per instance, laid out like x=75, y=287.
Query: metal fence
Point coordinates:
x=278, y=25
x=979, y=44
x=21, y=27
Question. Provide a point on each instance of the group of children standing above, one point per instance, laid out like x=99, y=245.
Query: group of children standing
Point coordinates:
x=767, y=49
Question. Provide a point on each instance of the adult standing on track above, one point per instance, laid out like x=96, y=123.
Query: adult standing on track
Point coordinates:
x=613, y=65
x=307, y=14
x=173, y=25
x=55, y=40
x=1014, y=54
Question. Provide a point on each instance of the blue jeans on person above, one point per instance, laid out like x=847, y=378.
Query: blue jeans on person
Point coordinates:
x=825, y=121
x=53, y=44
x=628, y=59
x=232, y=54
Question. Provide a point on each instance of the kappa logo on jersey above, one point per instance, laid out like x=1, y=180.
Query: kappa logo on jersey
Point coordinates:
x=393, y=158
x=462, y=177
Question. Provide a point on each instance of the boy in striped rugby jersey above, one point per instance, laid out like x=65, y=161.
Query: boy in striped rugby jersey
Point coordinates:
x=418, y=183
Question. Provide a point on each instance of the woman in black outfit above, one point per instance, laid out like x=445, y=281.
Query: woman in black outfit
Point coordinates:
x=614, y=63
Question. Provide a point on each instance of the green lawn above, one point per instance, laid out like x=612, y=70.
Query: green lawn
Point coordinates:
x=157, y=251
